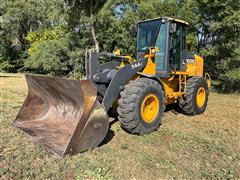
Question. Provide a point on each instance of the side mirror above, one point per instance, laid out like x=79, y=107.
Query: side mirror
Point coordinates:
x=173, y=27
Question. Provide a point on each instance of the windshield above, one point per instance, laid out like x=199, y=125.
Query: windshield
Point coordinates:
x=147, y=34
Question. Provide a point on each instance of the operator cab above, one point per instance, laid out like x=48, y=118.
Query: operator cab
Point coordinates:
x=169, y=35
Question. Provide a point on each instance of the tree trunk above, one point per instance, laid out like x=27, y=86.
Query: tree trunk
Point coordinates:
x=94, y=36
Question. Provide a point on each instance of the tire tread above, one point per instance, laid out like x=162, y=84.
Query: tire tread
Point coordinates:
x=127, y=102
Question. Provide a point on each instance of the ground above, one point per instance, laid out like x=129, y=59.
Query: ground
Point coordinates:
x=198, y=147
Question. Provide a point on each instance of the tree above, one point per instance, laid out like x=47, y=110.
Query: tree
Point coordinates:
x=219, y=39
x=18, y=18
x=50, y=36
x=54, y=51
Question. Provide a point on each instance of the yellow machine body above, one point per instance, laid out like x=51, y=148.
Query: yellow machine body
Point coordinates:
x=175, y=86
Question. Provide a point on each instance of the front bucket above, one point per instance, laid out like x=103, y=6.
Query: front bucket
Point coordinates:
x=62, y=115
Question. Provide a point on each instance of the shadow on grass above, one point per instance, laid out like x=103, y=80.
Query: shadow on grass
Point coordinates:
x=4, y=76
x=110, y=133
x=174, y=108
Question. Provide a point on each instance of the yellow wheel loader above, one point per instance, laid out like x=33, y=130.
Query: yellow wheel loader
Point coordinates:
x=71, y=116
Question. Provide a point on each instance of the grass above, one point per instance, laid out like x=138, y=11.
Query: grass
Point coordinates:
x=200, y=147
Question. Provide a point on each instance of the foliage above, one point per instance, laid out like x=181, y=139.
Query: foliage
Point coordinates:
x=35, y=37
x=6, y=66
x=53, y=35
x=54, y=51
x=220, y=38
x=18, y=18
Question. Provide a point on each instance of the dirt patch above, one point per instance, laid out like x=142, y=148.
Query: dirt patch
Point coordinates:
x=167, y=139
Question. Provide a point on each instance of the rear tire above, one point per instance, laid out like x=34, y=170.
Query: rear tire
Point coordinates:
x=141, y=106
x=195, y=101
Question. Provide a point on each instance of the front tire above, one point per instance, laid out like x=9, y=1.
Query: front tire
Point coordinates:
x=195, y=101
x=141, y=106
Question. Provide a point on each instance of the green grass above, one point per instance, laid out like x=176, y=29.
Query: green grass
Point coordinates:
x=200, y=147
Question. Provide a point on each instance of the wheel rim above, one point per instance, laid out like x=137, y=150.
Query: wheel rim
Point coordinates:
x=201, y=96
x=149, y=108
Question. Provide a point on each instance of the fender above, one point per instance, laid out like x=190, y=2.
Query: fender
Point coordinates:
x=123, y=76
x=154, y=78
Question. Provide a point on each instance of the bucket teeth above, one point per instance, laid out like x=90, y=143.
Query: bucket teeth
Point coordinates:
x=62, y=115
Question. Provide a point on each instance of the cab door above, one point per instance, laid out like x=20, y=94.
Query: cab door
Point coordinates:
x=177, y=47
x=162, y=54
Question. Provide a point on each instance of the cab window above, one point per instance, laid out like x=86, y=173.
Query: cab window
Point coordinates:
x=147, y=34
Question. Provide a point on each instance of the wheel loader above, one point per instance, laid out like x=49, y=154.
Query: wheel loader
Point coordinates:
x=70, y=116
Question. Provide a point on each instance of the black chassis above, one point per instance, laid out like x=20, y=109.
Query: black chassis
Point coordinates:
x=108, y=78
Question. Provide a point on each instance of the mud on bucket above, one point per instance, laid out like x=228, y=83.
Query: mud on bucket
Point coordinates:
x=62, y=115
